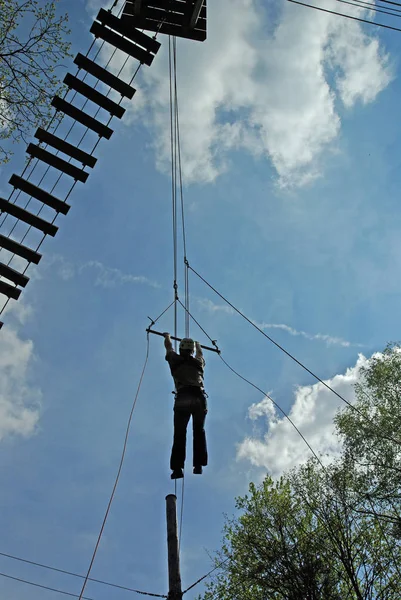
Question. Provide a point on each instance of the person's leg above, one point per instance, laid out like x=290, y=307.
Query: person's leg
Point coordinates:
x=198, y=424
x=181, y=418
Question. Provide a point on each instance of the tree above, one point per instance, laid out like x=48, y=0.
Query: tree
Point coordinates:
x=371, y=433
x=327, y=532
x=32, y=45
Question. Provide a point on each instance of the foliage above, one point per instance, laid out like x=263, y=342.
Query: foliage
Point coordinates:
x=32, y=46
x=326, y=532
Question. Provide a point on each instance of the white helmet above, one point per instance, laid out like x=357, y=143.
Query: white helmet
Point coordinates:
x=187, y=344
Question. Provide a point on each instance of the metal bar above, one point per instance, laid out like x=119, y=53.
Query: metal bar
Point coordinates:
x=104, y=75
x=13, y=275
x=195, y=13
x=16, y=248
x=100, y=31
x=58, y=163
x=94, y=95
x=9, y=290
x=149, y=330
x=39, y=194
x=23, y=215
x=55, y=142
x=82, y=117
x=136, y=36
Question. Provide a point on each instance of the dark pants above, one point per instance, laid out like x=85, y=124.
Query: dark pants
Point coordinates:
x=189, y=402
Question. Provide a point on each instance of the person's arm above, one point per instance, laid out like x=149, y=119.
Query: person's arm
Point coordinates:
x=167, y=343
x=198, y=353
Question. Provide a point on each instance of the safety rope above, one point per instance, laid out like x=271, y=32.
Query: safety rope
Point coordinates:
x=72, y=574
x=118, y=471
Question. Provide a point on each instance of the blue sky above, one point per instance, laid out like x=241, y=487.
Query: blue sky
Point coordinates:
x=290, y=130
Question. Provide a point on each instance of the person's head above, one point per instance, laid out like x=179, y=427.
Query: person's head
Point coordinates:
x=187, y=347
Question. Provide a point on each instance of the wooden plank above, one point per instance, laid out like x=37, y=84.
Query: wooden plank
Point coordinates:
x=104, y=75
x=16, y=248
x=82, y=117
x=102, y=32
x=136, y=36
x=23, y=215
x=9, y=290
x=94, y=95
x=13, y=275
x=55, y=142
x=179, y=6
x=167, y=29
x=39, y=194
x=58, y=163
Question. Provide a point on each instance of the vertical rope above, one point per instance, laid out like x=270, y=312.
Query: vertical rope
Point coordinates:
x=173, y=150
x=179, y=164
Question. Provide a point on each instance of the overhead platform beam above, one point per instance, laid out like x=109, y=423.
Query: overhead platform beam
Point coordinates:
x=94, y=95
x=32, y=190
x=55, y=142
x=104, y=75
x=58, y=163
x=136, y=36
x=181, y=18
x=12, y=275
x=82, y=117
x=102, y=32
x=22, y=251
x=23, y=215
x=9, y=290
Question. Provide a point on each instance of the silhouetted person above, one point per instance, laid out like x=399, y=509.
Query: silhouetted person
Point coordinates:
x=190, y=400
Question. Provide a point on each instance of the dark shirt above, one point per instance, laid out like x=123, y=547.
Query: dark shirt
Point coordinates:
x=186, y=370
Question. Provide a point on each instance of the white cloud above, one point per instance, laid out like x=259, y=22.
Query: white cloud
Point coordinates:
x=323, y=337
x=270, y=93
x=19, y=400
x=104, y=276
x=313, y=410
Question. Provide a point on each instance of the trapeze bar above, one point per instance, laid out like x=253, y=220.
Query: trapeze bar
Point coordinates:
x=179, y=340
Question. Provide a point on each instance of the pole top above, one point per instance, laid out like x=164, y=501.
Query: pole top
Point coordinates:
x=171, y=496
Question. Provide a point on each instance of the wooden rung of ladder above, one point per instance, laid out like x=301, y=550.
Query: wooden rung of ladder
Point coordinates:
x=58, y=163
x=23, y=215
x=136, y=36
x=102, y=32
x=22, y=251
x=13, y=275
x=100, y=99
x=104, y=75
x=32, y=190
x=55, y=142
x=9, y=290
x=82, y=117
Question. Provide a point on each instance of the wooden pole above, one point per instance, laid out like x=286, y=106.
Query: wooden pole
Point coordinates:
x=174, y=576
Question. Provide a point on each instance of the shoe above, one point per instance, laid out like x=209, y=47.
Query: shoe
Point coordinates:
x=198, y=470
x=177, y=474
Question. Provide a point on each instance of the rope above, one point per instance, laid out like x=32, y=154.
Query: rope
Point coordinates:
x=273, y=341
x=118, y=471
x=43, y=566
x=44, y=587
x=204, y=576
x=332, y=12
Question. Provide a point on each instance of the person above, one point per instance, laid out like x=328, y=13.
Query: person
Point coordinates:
x=190, y=400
